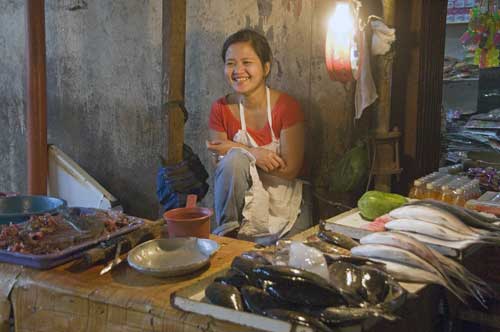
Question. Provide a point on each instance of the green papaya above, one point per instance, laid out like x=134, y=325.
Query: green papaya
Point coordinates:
x=374, y=203
x=351, y=171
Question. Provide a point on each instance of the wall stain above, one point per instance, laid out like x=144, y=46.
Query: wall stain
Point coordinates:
x=80, y=4
x=279, y=73
x=265, y=7
x=294, y=6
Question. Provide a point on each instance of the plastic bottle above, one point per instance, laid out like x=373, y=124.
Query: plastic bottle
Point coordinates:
x=459, y=198
x=447, y=189
x=446, y=194
x=415, y=189
x=434, y=187
x=421, y=191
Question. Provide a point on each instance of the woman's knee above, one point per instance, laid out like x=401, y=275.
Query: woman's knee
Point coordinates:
x=235, y=162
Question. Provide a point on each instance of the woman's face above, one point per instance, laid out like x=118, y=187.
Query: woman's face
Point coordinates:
x=243, y=69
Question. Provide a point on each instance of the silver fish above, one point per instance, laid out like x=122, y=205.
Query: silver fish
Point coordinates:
x=407, y=273
x=469, y=217
x=454, y=273
x=432, y=215
x=405, y=242
x=430, y=229
x=403, y=257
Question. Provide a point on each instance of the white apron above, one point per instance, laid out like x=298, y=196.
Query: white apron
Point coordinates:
x=272, y=204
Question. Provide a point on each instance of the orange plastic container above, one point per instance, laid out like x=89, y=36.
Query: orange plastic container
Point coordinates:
x=188, y=221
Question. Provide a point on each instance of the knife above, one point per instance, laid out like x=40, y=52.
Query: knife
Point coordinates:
x=117, y=260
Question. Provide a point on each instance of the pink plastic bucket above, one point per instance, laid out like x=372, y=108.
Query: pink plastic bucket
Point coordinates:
x=188, y=221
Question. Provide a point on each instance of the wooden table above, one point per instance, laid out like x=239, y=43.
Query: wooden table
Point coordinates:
x=122, y=300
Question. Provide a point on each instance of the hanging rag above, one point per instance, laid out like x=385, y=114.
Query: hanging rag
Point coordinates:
x=382, y=37
x=366, y=91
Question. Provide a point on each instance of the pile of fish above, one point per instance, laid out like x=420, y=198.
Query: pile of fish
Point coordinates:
x=408, y=259
x=346, y=289
x=442, y=221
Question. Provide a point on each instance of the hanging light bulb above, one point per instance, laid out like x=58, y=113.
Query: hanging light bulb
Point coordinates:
x=341, y=51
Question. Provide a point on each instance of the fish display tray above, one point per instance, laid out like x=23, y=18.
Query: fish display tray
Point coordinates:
x=350, y=223
x=48, y=261
x=192, y=299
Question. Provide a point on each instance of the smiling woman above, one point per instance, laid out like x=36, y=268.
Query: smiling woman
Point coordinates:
x=257, y=135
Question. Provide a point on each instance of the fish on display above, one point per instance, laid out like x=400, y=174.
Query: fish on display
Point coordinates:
x=245, y=266
x=298, y=286
x=342, y=315
x=224, y=295
x=467, y=216
x=438, y=231
x=397, y=255
x=406, y=273
x=326, y=247
x=360, y=285
x=453, y=272
x=234, y=278
x=356, y=260
x=258, y=301
x=337, y=239
x=430, y=215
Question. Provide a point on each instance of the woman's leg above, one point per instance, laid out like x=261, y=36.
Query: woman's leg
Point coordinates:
x=232, y=180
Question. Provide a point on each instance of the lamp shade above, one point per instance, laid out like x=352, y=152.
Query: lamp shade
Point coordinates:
x=341, y=46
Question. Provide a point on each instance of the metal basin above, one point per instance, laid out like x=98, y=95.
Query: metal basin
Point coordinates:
x=16, y=209
x=172, y=257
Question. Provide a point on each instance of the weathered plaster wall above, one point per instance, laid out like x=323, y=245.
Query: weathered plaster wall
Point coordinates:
x=12, y=117
x=103, y=93
x=104, y=84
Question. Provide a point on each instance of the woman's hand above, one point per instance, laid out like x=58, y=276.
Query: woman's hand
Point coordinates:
x=220, y=147
x=267, y=160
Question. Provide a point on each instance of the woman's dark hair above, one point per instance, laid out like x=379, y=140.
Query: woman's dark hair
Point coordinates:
x=259, y=44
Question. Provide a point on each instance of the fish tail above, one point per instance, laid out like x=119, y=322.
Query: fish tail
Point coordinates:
x=455, y=291
x=470, y=285
x=383, y=312
x=490, y=238
x=387, y=316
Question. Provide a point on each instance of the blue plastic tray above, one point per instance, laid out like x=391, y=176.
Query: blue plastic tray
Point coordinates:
x=48, y=261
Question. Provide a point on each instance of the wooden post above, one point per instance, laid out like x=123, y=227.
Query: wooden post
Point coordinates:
x=174, y=36
x=36, y=97
x=383, y=64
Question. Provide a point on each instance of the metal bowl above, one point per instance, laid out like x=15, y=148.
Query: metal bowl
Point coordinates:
x=172, y=257
x=16, y=209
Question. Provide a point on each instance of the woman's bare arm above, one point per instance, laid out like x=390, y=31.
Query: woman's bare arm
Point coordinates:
x=292, y=151
x=287, y=165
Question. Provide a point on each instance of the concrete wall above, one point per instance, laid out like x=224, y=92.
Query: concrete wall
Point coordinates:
x=103, y=93
x=12, y=118
x=104, y=84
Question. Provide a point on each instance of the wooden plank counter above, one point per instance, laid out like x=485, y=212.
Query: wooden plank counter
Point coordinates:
x=122, y=300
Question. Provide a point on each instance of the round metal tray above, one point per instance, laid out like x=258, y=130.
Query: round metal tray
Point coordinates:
x=172, y=257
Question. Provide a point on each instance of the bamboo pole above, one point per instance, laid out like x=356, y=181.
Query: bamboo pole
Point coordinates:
x=174, y=39
x=385, y=154
x=36, y=99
